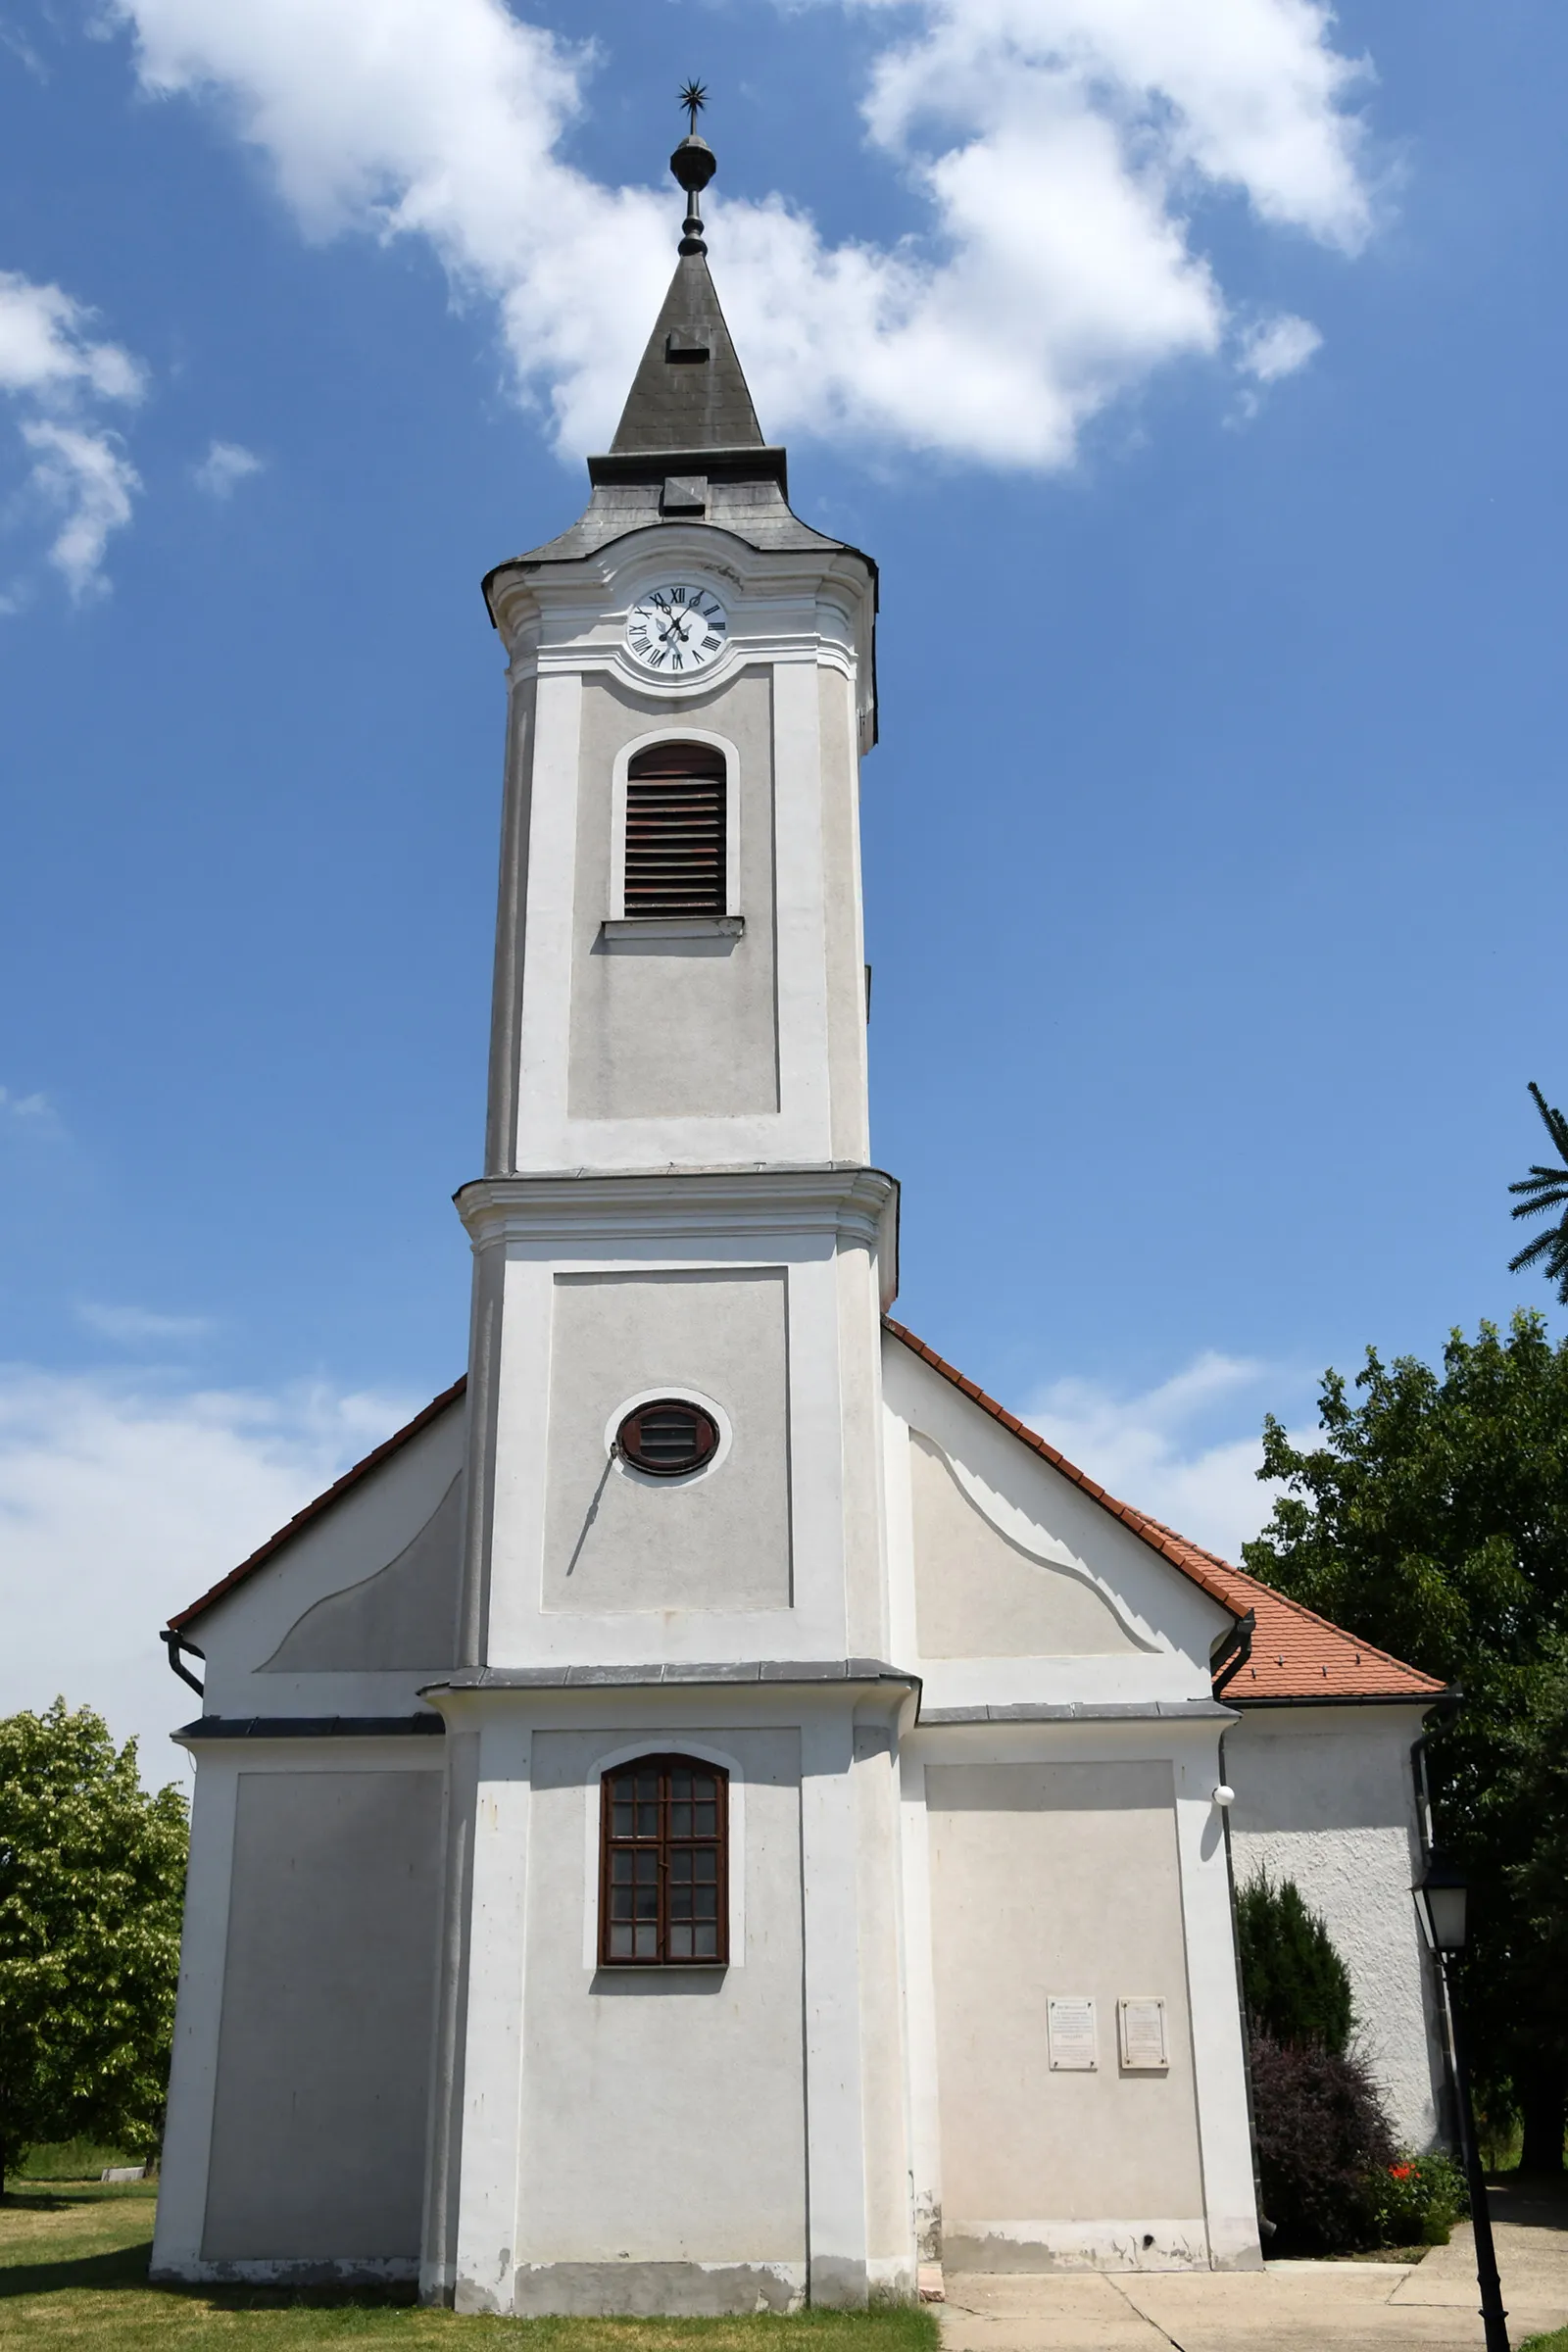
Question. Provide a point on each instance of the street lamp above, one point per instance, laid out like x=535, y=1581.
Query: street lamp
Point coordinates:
x=1441, y=1896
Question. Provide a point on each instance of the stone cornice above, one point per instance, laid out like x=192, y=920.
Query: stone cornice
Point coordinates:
x=663, y=1674
x=584, y=1210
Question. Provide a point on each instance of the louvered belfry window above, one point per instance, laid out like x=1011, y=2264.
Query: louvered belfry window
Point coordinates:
x=675, y=862
x=664, y=1887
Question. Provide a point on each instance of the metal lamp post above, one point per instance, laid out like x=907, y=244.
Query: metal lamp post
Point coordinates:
x=1441, y=1902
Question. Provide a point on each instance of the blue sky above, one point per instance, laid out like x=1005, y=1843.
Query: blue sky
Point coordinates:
x=1202, y=362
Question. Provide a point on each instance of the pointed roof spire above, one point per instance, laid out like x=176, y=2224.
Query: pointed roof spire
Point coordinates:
x=689, y=393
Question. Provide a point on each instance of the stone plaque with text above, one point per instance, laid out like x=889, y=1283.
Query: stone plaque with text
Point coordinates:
x=1142, y=2022
x=1070, y=2032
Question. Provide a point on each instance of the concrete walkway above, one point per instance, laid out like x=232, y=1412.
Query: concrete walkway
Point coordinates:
x=1429, y=2306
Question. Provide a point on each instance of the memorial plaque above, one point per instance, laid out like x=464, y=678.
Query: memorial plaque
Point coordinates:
x=1070, y=2032
x=1143, y=2034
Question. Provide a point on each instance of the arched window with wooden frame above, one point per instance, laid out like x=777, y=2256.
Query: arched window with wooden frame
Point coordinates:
x=664, y=1864
x=676, y=850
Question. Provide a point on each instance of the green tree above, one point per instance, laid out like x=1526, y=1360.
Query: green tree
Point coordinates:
x=1297, y=1985
x=92, y=1879
x=1546, y=1188
x=1433, y=1520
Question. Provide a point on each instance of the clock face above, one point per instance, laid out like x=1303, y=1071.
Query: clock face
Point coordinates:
x=676, y=630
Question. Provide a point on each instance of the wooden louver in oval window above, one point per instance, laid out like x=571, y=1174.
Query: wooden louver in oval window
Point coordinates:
x=667, y=1437
x=675, y=849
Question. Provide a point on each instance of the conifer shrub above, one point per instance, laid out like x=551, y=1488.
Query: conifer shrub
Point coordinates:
x=1297, y=1990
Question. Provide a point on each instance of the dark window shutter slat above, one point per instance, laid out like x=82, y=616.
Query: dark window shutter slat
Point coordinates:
x=675, y=823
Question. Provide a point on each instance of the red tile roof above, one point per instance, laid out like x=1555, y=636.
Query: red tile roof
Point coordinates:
x=1296, y=1656
x=313, y=1510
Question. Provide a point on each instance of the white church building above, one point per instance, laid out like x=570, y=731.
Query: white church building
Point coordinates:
x=717, y=1813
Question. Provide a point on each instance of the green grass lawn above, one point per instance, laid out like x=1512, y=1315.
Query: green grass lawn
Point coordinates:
x=1556, y=2341
x=74, y=2278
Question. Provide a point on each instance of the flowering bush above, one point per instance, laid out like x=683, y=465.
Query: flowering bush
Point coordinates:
x=1417, y=2201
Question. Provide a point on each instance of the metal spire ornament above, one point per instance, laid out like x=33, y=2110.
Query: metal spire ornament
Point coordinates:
x=694, y=165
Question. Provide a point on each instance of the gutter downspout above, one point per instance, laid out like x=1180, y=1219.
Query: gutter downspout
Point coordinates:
x=1227, y=1663
x=1265, y=2228
x=174, y=1642
x=1233, y=1655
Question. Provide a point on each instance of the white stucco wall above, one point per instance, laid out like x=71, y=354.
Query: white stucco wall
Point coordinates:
x=1324, y=1795
x=616, y=1540
x=1058, y=1880
x=668, y=1027
x=271, y=1648
x=298, y=2085
x=622, y=2069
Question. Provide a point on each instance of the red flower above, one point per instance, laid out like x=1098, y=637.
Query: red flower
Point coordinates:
x=1400, y=2172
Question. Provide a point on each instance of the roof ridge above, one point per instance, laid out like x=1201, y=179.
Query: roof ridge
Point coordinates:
x=302, y=1518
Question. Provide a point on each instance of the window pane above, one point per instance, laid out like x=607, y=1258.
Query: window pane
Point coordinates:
x=663, y=1837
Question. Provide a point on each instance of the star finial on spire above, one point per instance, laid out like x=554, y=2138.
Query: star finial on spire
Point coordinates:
x=693, y=164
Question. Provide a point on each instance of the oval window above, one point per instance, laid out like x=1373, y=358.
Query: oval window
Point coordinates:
x=667, y=1437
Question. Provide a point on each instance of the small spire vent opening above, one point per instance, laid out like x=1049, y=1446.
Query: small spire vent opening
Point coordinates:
x=676, y=831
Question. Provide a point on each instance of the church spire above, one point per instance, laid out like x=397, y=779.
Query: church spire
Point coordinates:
x=689, y=395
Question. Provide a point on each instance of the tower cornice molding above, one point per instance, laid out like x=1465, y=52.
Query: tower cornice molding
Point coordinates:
x=688, y=1209
x=522, y=591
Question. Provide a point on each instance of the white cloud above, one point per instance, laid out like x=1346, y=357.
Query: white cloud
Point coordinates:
x=1060, y=149
x=1277, y=347
x=60, y=376
x=33, y=1111
x=1176, y=1450
x=225, y=464
x=88, y=477
x=45, y=346
x=138, y=1327
x=120, y=1502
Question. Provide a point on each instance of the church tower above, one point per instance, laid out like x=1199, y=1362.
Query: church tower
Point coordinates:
x=671, y=1734
x=715, y=1812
